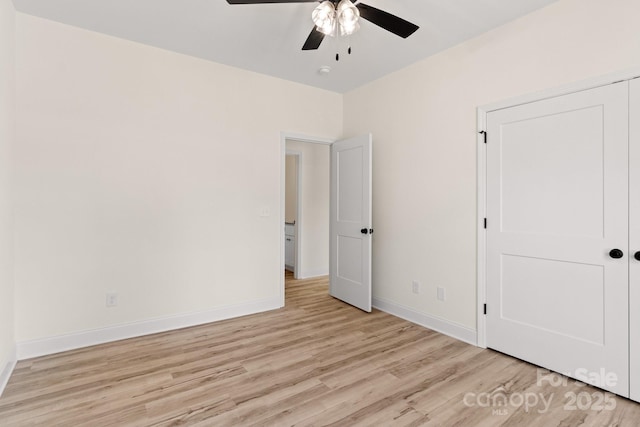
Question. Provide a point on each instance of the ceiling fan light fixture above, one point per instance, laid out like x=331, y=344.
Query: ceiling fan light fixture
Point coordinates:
x=324, y=16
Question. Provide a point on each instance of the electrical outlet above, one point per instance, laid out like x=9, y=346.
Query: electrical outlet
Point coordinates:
x=415, y=287
x=112, y=299
x=441, y=294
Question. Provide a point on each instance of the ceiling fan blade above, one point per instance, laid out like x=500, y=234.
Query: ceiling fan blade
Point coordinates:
x=314, y=40
x=389, y=22
x=268, y=1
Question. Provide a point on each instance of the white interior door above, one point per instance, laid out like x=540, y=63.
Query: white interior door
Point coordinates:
x=557, y=205
x=634, y=238
x=350, y=225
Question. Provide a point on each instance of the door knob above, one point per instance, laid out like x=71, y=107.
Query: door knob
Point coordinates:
x=364, y=231
x=616, y=253
x=637, y=255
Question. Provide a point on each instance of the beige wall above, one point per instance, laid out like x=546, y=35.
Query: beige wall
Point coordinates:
x=423, y=120
x=7, y=136
x=314, y=208
x=290, y=189
x=144, y=172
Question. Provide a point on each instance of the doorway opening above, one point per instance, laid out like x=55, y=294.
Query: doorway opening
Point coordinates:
x=305, y=187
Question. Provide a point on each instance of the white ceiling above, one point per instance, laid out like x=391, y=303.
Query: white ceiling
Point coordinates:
x=268, y=38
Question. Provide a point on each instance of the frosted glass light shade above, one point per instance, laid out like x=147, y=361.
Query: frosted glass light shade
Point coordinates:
x=348, y=16
x=324, y=16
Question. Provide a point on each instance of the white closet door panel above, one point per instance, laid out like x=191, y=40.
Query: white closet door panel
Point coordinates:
x=557, y=203
x=534, y=199
x=634, y=238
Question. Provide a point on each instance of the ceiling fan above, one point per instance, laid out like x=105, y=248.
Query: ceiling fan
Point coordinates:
x=333, y=17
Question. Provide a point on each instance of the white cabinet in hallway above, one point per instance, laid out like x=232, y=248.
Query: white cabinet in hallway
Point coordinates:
x=289, y=246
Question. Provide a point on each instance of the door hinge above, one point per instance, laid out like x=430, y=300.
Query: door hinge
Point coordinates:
x=484, y=134
x=485, y=309
x=485, y=223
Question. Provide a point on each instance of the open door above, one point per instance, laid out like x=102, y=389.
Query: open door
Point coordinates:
x=350, y=226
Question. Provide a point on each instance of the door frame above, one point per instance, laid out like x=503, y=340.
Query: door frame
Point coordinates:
x=481, y=179
x=294, y=136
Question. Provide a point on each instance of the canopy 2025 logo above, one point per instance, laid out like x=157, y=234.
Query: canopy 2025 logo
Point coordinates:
x=502, y=402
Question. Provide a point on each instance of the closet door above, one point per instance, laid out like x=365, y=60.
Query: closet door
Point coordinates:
x=557, y=234
x=634, y=238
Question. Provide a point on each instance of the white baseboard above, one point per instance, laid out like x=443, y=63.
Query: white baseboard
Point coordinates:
x=7, y=369
x=443, y=326
x=313, y=273
x=57, y=344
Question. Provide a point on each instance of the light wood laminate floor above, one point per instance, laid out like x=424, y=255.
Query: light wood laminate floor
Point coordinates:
x=315, y=362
